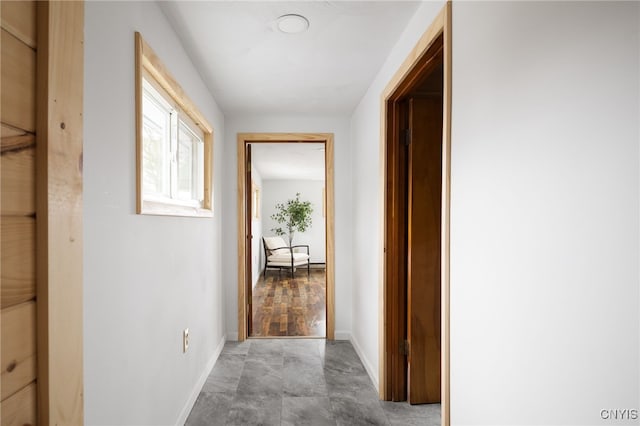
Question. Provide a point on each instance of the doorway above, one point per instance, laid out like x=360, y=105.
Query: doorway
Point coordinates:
x=287, y=296
x=415, y=148
x=293, y=287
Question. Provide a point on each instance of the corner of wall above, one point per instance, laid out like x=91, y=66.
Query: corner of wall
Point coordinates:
x=342, y=335
x=372, y=372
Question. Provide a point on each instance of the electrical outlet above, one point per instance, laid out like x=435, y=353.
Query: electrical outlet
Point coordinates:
x=185, y=340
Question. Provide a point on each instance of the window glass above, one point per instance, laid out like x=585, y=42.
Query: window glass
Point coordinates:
x=173, y=151
x=156, y=137
x=185, y=169
x=188, y=163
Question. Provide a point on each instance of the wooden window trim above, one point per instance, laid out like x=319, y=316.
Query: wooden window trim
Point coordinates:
x=149, y=64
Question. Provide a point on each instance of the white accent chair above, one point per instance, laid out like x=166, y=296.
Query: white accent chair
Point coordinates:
x=279, y=255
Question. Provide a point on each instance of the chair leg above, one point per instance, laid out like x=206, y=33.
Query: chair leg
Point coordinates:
x=308, y=269
x=292, y=266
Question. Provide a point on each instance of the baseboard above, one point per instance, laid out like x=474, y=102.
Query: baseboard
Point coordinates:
x=182, y=419
x=373, y=375
x=232, y=337
x=342, y=335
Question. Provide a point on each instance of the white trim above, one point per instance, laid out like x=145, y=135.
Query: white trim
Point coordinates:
x=188, y=406
x=232, y=337
x=365, y=361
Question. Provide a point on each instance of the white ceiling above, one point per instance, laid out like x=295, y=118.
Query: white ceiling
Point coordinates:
x=288, y=160
x=252, y=67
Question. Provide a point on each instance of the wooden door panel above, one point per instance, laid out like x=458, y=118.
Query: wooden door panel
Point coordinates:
x=423, y=254
x=395, y=237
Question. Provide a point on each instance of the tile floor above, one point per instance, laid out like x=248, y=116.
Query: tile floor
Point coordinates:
x=298, y=382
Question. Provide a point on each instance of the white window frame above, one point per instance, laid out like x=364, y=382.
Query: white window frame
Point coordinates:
x=155, y=84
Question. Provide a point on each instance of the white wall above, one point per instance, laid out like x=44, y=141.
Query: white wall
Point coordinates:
x=279, y=191
x=339, y=126
x=367, y=198
x=257, y=256
x=544, y=215
x=146, y=277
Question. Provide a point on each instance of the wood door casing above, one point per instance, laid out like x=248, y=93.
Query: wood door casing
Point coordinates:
x=423, y=249
x=253, y=138
x=435, y=41
x=59, y=165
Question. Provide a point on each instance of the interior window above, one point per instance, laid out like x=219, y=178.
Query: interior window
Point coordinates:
x=174, y=144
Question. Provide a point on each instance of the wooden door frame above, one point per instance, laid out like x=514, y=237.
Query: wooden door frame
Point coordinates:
x=248, y=223
x=59, y=146
x=401, y=82
x=254, y=138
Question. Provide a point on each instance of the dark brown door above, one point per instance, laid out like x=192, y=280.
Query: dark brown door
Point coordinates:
x=423, y=248
x=397, y=237
x=248, y=272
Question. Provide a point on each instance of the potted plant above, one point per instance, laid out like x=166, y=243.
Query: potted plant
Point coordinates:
x=294, y=215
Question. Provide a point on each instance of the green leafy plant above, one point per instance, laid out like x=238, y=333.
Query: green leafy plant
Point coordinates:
x=294, y=216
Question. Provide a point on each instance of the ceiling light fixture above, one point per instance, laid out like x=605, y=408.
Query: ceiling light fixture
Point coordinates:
x=293, y=24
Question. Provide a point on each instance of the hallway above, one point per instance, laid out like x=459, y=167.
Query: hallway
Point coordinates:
x=297, y=382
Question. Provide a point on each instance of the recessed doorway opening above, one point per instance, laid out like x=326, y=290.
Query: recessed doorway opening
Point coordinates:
x=415, y=149
x=285, y=235
x=288, y=240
